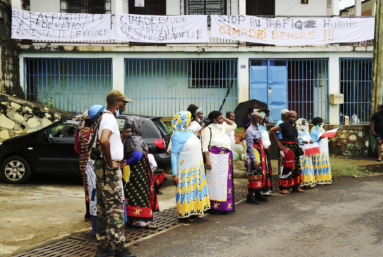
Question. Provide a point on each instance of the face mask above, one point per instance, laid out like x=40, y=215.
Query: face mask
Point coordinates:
x=198, y=119
x=321, y=126
x=303, y=127
x=117, y=112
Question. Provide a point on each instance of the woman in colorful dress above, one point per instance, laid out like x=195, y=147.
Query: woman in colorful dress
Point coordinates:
x=219, y=162
x=140, y=197
x=192, y=197
x=307, y=169
x=83, y=137
x=321, y=162
x=290, y=172
x=266, y=145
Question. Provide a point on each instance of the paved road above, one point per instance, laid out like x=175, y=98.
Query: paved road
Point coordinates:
x=344, y=219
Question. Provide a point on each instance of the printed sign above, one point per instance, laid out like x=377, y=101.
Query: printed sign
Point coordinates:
x=292, y=31
x=139, y=3
x=160, y=29
x=60, y=26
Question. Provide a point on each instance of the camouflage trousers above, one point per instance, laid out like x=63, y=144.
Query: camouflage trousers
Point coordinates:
x=110, y=207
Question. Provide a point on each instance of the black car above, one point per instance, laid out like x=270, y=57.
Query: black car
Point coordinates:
x=51, y=149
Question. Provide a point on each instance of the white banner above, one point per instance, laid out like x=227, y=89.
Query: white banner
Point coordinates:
x=60, y=26
x=292, y=31
x=160, y=29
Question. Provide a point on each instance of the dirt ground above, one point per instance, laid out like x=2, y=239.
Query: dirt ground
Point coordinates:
x=46, y=209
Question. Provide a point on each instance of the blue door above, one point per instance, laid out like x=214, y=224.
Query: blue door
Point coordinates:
x=268, y=84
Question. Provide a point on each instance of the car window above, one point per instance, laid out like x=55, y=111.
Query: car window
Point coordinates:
x=149, y=129
x=65, y=129
x=161, y=125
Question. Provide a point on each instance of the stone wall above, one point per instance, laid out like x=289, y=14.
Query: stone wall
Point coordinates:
x=18, y=117
x=9, y=55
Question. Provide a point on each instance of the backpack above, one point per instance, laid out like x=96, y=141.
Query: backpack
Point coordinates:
x=94, y=146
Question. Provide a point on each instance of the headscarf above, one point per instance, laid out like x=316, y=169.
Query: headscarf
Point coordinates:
x=135, y=141
x=180, y=126
x=291, y=113
x=317, y=121
x=95, y=111
x=198, y=110
x=82, y=117
x=213, y=115
x=303, y=134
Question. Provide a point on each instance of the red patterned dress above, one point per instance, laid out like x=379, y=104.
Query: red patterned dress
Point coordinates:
x=84, y=156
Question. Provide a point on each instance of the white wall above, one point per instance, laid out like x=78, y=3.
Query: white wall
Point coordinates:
x=51, y=6
x=289, y=7
x=173, y=7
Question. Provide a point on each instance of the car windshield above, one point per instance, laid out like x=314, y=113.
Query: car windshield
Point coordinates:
x=149, y=129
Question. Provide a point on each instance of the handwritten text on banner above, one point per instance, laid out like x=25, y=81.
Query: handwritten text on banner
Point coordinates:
x=60, y=26
x=161, y=29
x=292, y=31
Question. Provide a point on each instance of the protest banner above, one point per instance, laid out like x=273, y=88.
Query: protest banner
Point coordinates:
x=160, y=29
x=292, y=31
x=60, y=26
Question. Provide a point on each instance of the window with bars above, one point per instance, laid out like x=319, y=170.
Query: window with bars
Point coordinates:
x=151, y=7
x=260, y=7
x=205, y=7
x=85, y=6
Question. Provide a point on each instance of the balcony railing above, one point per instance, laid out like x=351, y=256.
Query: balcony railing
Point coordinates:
x=212, y=41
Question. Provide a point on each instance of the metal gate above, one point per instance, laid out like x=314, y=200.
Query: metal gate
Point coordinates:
x=355, y=84
x=163, y=87
x=268, y=84
x=71, y=85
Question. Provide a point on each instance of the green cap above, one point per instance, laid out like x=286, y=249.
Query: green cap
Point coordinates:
x=116, y=95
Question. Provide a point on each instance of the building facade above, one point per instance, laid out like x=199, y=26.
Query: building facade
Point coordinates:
x=163, y=79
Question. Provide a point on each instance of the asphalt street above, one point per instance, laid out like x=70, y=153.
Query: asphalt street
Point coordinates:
x=342, y=219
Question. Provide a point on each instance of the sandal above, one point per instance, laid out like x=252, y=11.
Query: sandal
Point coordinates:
x=186, y=220
x=378, y=160
x=298, y=190
x=284, y=192
x=149, y=226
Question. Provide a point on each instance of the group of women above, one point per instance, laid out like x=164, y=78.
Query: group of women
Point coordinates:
x=298, y=169
x=202, y=164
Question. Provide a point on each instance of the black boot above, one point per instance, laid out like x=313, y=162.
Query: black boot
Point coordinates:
x=105, y=252
x=251, y=199
x=260, y=197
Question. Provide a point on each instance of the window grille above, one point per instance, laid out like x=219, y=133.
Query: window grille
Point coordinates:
x=260, y=7
x=355, y=85
x=151, y=7
x=206, y=7
x=85, y=6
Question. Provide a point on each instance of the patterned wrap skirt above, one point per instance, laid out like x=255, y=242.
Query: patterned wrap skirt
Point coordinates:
x=140, y=197
x=220, y=181
x=84, y=157
x=321, y=163
x=307, y=171
x=260, y=179
x=290, y=172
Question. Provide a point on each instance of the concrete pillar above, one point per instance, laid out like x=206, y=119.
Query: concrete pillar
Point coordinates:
x=118, y=72
x=16, y=4
x=243, y=78
x=117, y=6
x=242, y=7
x=358, y=8
x=335, y=7
x=334, y=87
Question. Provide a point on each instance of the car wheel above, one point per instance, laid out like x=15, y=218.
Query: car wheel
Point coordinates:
x=16, y=170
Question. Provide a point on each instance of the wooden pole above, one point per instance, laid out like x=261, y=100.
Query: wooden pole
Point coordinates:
x=377, y=74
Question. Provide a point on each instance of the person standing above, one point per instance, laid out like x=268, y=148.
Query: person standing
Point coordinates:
x=110, y=207
x=256, y=161
x=231, y=116
x=219, y=162
x=321, y=161
x=307, y=172
x=192, y=197
x=290, y=172
x=279, y=135
x=195, y=124
x=377, y=131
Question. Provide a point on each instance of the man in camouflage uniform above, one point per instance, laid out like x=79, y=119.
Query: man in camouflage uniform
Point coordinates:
x=110, y=207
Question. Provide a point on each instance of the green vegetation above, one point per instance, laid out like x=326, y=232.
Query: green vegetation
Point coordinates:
x=238, y=130
x=169, y=127
x=341, y=170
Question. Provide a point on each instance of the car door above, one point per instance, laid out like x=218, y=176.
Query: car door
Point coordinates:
x=57, y=153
